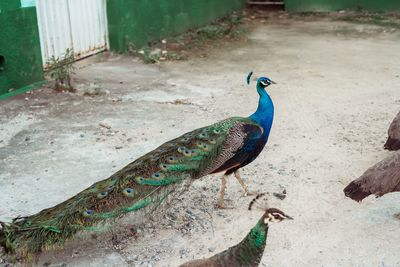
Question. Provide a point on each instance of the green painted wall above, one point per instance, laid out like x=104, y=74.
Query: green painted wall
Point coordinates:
x=9, y=5
x=141, y=21
x=334, y=5
x=19, y=46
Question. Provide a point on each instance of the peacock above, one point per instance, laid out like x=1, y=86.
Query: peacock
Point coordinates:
x=225, y=146
x=380, y=179
x=250, y=250
x=393, y=140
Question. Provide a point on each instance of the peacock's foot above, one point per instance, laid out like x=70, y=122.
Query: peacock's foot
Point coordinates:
x=223, y=206
x=244, y=186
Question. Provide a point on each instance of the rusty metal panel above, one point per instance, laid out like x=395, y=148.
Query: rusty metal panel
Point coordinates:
x=74, y=24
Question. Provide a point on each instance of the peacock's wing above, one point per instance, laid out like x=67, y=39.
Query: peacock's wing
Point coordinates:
x=146, y=181
x=246, y=135
x=200, y=152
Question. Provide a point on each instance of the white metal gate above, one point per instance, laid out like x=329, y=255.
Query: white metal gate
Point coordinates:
x=80, y=25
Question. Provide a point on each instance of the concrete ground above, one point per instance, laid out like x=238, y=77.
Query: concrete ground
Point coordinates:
x=338, y=89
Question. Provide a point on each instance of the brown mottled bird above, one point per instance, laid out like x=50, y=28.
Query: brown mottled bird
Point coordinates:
x=393, y=141
x=250, y=250
x=380, y=179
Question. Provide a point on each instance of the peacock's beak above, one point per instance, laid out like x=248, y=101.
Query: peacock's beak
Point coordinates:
x=273, y=82
x=288, y=217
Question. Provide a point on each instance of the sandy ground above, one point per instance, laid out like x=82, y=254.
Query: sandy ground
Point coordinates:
x=338, y=89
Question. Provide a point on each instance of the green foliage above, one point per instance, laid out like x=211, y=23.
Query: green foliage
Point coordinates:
x=235, y=22
x=179, y=47
x=148, y=56
x=61, y=69
x=229, y=26
x=379, y=19
x=210, y=32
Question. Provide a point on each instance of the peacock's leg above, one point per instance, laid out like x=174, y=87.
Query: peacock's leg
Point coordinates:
x=221, y=203
x=241, y=182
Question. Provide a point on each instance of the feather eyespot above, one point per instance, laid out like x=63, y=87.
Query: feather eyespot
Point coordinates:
x=181, y=149
x=187, y=153
x=216, y=131
x=205, y=147
x=157, y=175
x=88, y=213
x=163, y=166
x=202, y=135
x=212, y=141
x=129, y=192
x=171, y=159
x=102, y=195
x=139, y=179
x=200, y=143
x=185, y=139
x=110, y=187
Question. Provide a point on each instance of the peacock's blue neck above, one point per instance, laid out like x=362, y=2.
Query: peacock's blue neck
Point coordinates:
x=265, y=112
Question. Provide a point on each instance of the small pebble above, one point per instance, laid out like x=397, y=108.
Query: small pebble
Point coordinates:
x=105, y=125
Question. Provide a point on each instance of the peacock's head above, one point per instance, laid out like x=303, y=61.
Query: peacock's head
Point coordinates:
x=262, y=82
x=275, y=215
x=270, y=214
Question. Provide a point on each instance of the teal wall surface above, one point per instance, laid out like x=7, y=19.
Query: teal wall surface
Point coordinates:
x=20, y=56
x=141, y=21
x=334, y=5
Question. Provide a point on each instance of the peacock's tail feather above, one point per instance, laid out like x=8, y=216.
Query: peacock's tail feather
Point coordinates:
x=142, y=183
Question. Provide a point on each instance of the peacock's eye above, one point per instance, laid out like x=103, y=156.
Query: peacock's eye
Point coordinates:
x=277, y=216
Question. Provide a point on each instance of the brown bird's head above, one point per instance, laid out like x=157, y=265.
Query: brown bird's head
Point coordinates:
x=275, y=215
x=270, y=214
